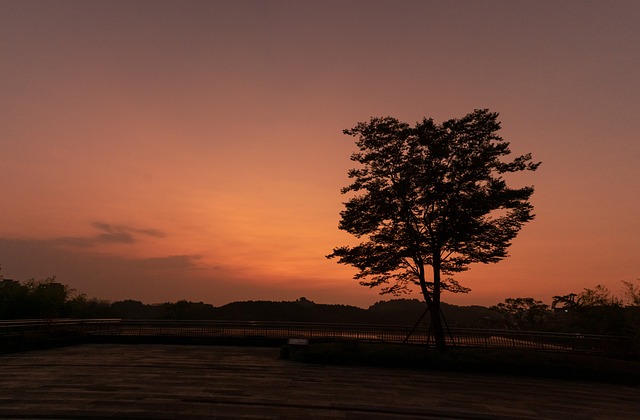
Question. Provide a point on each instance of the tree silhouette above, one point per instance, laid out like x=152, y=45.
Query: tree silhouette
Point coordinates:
x=598, y=296
x=47, y=297
x=631, y=293
x=430, y=195
x=594, y=311
x=523, y=313
x=14, y=300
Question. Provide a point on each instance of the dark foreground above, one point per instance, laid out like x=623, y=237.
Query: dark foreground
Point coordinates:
x=187, y=382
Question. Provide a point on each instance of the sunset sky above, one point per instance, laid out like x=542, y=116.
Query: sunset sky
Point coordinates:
x=167, y=150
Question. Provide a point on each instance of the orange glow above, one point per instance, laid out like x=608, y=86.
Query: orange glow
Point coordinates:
x=194, y=150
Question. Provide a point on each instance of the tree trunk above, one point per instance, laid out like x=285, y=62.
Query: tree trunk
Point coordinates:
x=433, y=303
x=436, y=319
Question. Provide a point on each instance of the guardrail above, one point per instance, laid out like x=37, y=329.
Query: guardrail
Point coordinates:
x=16, y=334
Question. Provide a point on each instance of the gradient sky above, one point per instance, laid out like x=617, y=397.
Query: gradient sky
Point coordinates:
x=167, y=150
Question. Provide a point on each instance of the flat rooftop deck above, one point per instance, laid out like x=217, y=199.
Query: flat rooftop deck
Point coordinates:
x=193, y=382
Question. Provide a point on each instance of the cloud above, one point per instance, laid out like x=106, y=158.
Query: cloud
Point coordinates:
x=167, y=278
x=43, y=256
x=110, y=229
x=111, y=234
x=107, y=276
x=173, y=262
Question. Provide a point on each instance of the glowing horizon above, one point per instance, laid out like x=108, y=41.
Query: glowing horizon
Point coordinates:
x=163, y=151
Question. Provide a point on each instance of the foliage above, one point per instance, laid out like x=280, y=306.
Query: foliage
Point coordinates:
x=16, y=303
x=134, y=309
x=33, y=299
x=524, y=313
x=631, y=293
x=82, y=306
x=13, y=300
x=430, y=195
x=598, y=296
x=187, y=310
x=397, y=311
x=298, y=311
x=47, y=297
x=594, y=311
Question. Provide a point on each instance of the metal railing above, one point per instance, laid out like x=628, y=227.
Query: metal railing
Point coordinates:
x=17, y=333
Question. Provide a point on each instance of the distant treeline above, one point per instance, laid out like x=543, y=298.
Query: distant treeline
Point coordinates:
x=593, y=311
x=393, y=312
x=51, y=299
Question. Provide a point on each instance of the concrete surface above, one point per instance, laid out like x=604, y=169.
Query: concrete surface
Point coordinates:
x=217, y=382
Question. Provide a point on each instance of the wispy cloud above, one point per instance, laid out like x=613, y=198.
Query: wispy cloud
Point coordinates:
x=173, y=262
x=119, y=229
x=110, y=234
x=109, y=276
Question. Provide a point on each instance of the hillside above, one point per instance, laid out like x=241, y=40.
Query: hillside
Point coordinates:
x=393, y=312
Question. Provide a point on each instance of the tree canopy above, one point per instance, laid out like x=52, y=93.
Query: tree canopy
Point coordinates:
x=524, y=313
x=430, y=195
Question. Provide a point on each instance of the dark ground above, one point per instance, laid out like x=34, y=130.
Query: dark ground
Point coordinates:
x=187, y=382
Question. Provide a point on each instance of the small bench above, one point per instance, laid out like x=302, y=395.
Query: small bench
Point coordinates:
x=302, y=342
x=294, y=345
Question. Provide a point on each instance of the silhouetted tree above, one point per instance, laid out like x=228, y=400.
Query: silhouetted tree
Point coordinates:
x=305, y=302
x=81, y=306
x=396, y=311
x=430, y=195
x=14, y=300
x=632, y=311
x=523, y=313
x=33, y=299
x=134, y=309
x=631, y=293
x=594, y=311
x=598, y=296
x=184, y=309
x=47, y=297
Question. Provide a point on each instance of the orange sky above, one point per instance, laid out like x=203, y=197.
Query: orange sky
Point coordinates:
x=164, y=150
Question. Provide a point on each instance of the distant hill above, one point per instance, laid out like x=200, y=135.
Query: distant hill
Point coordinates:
x=297, y=311
x=392, y=312
x=408, y=311
x=51, y=299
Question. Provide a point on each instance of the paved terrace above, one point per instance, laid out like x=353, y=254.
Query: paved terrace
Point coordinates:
x=219, y=382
